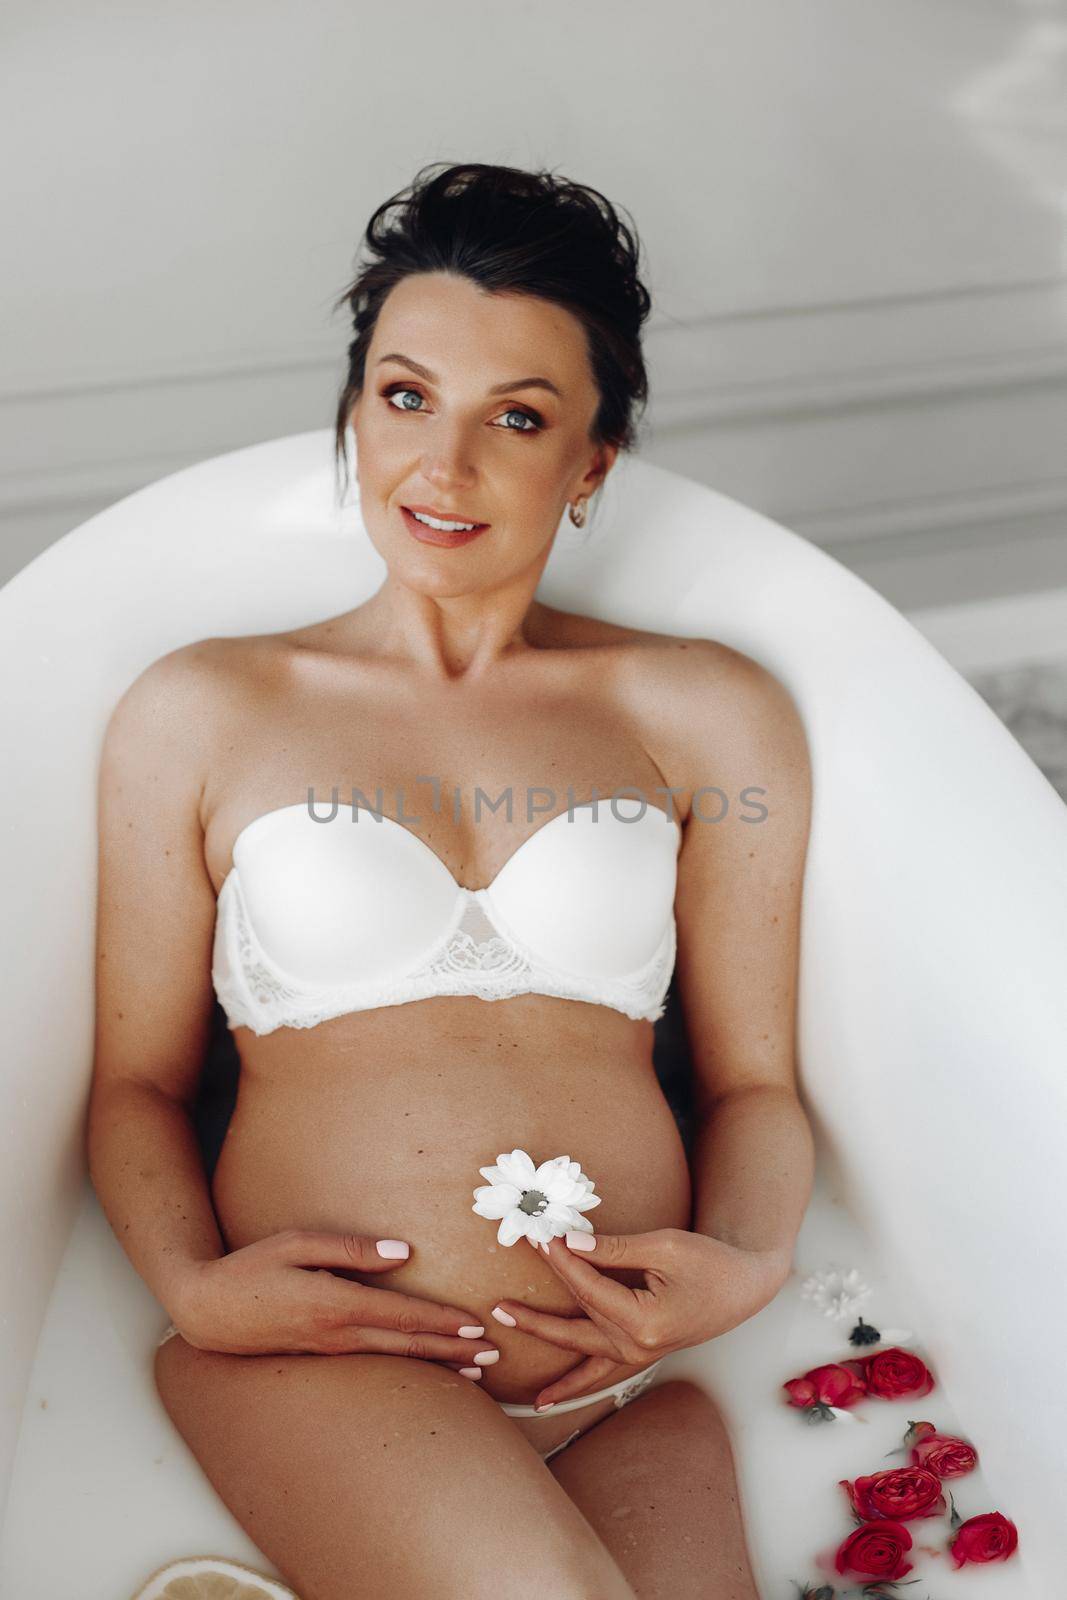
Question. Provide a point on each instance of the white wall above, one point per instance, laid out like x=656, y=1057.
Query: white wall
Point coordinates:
x=853, y=210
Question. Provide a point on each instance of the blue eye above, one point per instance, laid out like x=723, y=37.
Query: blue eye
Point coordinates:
x=400, y=390
x=513, y=411
x=535, y=420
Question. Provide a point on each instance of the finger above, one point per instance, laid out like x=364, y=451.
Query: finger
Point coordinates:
x=613, y=1306
x=570, y=1333
x=634, y=1251
x=358, y=1338
x=403, y=1317
x=389, y=1308
x=473, y=1374
x=586, y=1378
x=314, y=1247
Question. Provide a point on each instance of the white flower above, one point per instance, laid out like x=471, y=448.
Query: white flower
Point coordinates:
x=837, y=1291
x=541, y=1202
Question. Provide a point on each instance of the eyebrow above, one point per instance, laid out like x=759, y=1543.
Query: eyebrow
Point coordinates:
x=500, y=388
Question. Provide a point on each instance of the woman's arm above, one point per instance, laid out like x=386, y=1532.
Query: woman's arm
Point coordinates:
x=753, y=1163
x=154, y=931
x=738, y=912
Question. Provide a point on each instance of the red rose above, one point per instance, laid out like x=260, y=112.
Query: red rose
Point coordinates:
x=989, y=1537
x=835, y=1384
x=940, y=1453
x=876, y=1550
x=891, y=1374
x=898, y=1493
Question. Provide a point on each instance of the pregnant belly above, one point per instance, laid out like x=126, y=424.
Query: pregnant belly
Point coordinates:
x=396, y=1155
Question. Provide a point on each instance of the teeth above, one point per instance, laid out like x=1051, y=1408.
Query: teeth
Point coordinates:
x=446, y=527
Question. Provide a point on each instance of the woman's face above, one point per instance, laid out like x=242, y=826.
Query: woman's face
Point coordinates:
x=464, y=435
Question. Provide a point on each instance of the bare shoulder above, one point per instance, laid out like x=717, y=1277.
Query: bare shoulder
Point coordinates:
x=700, y=696
x=168, y=688
x=713, y=708
x=206, y=671
x=174, y=707
x=750, y=702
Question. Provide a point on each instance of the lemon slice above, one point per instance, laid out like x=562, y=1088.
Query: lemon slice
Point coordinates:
x=211, y=1578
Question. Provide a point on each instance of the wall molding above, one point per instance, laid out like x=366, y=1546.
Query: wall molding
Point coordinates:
x=899, y=350
x=981, y=514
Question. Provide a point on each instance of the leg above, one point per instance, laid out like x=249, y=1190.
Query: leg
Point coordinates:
x=657, y=1482
x=380, y=1474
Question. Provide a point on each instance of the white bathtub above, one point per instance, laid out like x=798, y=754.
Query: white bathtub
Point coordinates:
x=932, y=1022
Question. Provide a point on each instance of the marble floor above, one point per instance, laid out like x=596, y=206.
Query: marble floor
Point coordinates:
x=1031, y=701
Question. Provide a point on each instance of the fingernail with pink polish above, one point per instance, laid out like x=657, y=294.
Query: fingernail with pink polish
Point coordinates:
x=393, y=1249
x=468, y=1332
x=471, y=1372
x=504, y=1317
x=580, y=1241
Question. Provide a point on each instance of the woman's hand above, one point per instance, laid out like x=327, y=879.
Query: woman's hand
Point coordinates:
x=278, y=1297
x=697, y=1287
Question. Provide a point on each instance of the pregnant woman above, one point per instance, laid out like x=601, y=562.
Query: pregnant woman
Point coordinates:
x=438, y=857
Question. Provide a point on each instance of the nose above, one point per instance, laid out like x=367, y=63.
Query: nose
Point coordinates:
x=448, y=462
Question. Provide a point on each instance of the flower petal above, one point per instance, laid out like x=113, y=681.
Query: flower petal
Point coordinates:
x=513, y=1227
x=571, y=1189
x=581, y=1225
x=551, y=1169
x=496, y=1200
x=517, y=1168
x=560, y=1217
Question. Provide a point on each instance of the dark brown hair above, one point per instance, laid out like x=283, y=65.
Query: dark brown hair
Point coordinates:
x=522, y=232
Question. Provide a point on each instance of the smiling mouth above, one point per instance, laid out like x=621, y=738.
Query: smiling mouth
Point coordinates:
x=445, y=538
x=455, y=524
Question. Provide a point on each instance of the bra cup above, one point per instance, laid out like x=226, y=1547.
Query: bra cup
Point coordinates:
x=319, y=918
x=331, y=899
x=595, y=895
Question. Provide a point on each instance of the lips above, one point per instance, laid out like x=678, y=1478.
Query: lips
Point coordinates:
x=438, y=536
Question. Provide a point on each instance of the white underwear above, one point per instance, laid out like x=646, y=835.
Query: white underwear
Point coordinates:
x=624, y=1390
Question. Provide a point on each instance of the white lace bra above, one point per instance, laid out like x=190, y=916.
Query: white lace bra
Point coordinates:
x=321, y=917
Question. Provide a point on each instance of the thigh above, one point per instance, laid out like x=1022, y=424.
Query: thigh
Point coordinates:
x=387, y=1472
x=658, y=1484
